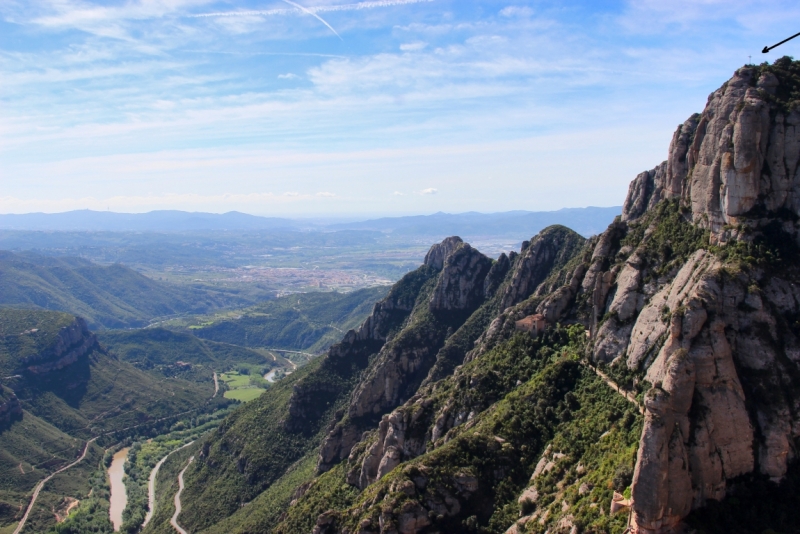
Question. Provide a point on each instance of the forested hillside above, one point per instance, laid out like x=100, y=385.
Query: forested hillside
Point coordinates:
x=307, y=321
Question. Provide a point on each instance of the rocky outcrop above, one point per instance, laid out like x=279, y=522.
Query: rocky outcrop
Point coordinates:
x=72, y=342
x=404, y=362
x=735, y=165
x=439, y=252
x=353, y=353
x=461, y=284
x=667, y=180
x=718, y=344
x=536, y=262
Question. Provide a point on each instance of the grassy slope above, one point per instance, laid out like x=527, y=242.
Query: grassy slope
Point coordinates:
x=308, y=321
x=100, y=394
x=107, y=296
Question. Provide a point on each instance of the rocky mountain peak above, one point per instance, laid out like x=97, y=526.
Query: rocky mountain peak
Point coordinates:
x=439, y=252
x=734, y=166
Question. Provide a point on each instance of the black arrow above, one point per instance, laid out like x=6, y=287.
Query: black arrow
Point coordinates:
x=768, y=48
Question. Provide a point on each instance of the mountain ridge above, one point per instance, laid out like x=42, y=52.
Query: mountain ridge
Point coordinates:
x=687, y=303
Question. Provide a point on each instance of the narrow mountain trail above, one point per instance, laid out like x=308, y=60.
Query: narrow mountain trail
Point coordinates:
x=174, y=520
x=629, y=396
x=151, y=484
x=41, y=484
x=216, y=385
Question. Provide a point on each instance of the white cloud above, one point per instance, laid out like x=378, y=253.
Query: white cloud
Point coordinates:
x=326, y=194
x=291, y=194
x=429, y=191
x=413, y=47
x=516, y=11
x=398, y=194
x=288, y=76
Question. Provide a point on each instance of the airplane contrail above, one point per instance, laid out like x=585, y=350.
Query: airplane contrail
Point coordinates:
x=298, y=6
x=314, y=9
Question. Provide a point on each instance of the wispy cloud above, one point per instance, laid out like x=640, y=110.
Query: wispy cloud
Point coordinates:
x=429, y=191
x=171, y=95
x=516, y=11
x=413, y=47
x=313, y=9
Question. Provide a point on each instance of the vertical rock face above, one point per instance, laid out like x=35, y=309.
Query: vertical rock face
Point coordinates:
x=719, y=345
x=461, y=284
x=736, y=160
x=72, y=343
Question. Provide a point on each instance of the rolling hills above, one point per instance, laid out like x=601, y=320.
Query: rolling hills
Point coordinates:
x=111, y=296
x=308, y=322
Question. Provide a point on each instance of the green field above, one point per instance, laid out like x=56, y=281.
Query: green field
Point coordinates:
x=244, y=394
x=235, y=380
x=240, y=387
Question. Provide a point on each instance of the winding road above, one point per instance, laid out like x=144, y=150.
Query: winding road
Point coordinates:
x=174, y=520
x=41, y=484
x=151, y=485
x=216, y=385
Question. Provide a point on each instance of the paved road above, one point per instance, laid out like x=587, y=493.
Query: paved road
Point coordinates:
x=41, y=484
x=151, y=485
x=174, y=520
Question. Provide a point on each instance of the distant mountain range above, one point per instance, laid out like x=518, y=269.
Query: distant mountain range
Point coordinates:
x=585, y=221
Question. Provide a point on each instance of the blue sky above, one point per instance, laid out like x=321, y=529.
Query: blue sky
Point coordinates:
x=333, y=107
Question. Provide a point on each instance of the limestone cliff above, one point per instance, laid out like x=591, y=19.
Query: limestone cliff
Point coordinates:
x=71, y=343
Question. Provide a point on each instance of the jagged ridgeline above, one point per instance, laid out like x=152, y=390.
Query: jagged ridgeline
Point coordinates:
x=668, y=370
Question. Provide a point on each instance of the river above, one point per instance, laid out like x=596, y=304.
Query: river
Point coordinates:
x=119, y=497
